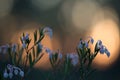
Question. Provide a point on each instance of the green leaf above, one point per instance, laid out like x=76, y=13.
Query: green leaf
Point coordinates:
x=35, y=36
x=41, y=32
x=38, y=49
x=14, y=58
x=33, y=52
x=30, y=60
x=23, y=34
x=51, y=62
x=21, y=40
x=10, y=55
x=55, y=57
x=20, y=55
x=38, y=58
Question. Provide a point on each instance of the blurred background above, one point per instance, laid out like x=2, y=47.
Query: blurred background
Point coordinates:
x=70, y=21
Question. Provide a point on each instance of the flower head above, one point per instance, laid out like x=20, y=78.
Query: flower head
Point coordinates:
x=21, y=73
x=25, y=40
x=16, y=72
x=4, y=48
x=50, y=52
x=24, y=45
x=5, y=74
x=102, y=48
x=11, y=71
x=26, y=37
x=91, y=40
x=10, y=75
x=82, y=44
x=40, y=47
x=48, y=31
x=74, y=58
x=99, y=44
x=14, y=47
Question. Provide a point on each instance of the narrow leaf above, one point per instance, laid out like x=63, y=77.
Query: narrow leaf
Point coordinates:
x=35, y=36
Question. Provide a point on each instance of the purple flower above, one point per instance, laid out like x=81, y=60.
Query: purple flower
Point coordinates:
x=107, y=52
x=50, y=53
x=26, y=37
x=103, y=50
x=80, y=45
x=74, y=58
x=48, y=50
x=91, y=40
x=12, y=70
x=99, y=44
x=14, y=47
x=40, y=47
x=24, y=45
x=4, y=48
x=86, y=44
x=25, y=40
x=48, y=31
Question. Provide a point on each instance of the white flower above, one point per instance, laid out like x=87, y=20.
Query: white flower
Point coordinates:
x=5, y=75
x=74, y=58
x=48, y=31
x=74, y=61
x=10, y=75
x=48, y=50
x=21, y=73
x=16, y=72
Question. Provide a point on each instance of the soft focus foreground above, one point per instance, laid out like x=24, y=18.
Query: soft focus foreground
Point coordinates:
x=70, y=20
x=22, y=58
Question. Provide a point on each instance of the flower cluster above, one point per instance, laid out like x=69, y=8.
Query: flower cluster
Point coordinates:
x=6, y=48
x=11, y=71
x=102, y=48
x=51, y=53
x=74, y=58
x=82, y=58
x=84, y=44
x=48, y=31
x=99, y=46
x=25, y=40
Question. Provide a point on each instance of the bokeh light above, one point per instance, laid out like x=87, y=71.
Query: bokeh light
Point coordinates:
x=108, y=32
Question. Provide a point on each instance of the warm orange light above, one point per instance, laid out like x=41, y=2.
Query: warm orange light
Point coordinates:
x=53, y=44
x=107, y=31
